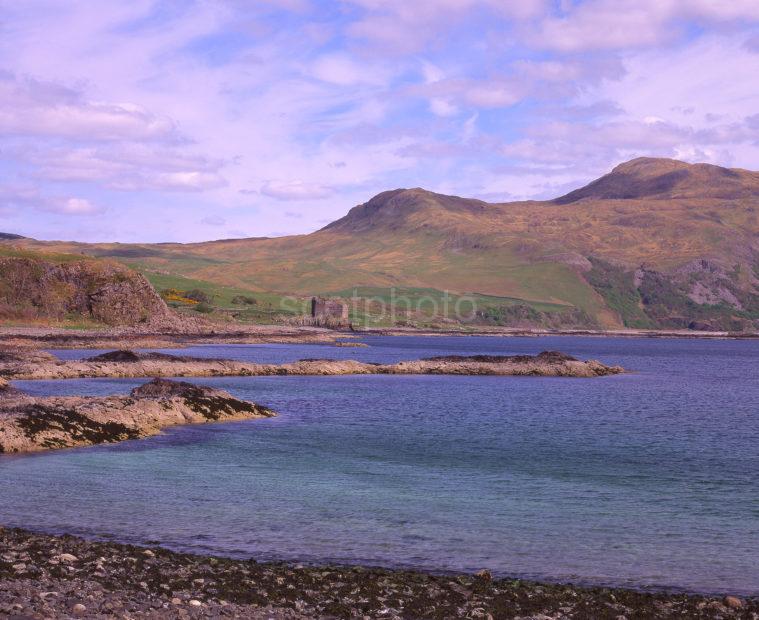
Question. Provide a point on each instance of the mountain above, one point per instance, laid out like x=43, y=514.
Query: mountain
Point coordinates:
x=668, y=179
x=655, y=243
x=407, y=209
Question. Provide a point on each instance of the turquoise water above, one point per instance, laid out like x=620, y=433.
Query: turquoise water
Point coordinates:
x=649, y=479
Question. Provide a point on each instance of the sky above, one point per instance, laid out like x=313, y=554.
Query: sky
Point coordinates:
x=189, y=120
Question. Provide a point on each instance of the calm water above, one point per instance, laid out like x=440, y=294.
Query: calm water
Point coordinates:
x=646, y=479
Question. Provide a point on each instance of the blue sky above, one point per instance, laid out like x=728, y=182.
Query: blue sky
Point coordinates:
x=193, y=120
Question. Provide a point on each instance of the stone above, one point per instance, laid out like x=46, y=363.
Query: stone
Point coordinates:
x=195, y=603
x=176, y=601
x=733, y=602
x=79, y=609
x=68, y=558
x=717, y=606
x=19, y=568
x=148, y=553
x=484, y=574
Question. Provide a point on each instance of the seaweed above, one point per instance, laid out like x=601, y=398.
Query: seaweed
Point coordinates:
x=545, y=356
x=41, y=418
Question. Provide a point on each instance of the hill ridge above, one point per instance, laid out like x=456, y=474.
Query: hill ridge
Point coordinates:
x=662, y=178
x=653, y=243
x=393, y=207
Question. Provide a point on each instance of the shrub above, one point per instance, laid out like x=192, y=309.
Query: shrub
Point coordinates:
x=174, y=295
x=197, y=295
x=204, y=307
x=244, y=299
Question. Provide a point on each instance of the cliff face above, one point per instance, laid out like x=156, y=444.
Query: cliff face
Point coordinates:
x=33, y=287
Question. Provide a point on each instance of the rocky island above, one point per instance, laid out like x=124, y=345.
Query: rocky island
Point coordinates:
x=25, y=364
x=29, y=424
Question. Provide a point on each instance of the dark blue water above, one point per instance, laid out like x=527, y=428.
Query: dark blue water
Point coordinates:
x=645, y=479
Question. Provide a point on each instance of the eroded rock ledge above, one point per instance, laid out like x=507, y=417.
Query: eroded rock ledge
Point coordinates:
x=29, y=424
x=132, y=364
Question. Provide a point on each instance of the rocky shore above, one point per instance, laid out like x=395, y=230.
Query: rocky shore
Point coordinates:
x=43, y=576
x=142, y=337
x=29, y=424
x=16, y=365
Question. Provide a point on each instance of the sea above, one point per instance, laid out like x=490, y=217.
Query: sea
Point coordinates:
x=648, y=480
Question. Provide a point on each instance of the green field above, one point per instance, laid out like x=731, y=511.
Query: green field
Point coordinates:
x=227, y=300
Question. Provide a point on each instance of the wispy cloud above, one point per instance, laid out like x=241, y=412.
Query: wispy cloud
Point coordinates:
x=21, y=200
x=33, y=108
x=213, y=220
x=296, y=190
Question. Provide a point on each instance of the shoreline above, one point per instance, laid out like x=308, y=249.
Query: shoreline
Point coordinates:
x=516, y=332
x=109, y=338
x=62, y=575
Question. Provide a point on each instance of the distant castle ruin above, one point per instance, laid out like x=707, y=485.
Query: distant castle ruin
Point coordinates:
x=322, y=309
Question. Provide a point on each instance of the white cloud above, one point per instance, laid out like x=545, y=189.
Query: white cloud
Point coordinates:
x=125, y=167
x=296, y=190
x=77, y=206
x=665, y=101
x=342, y=70
x=442, y=107
x=213, y=220
x=431, y=72
x=752, y=44
x=715, y=10
x=620, y=24
x=497, y=92
x=189, y=181
x=190, y=106
x=19, y=199
x=686, y=84
x=33, y=108
x=403, y=27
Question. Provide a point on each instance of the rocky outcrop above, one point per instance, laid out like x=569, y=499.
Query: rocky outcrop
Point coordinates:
x=35, y=287
x=29, y=424
x=547, y=364
x=545, y=356
x=127, y=356
x=701, y=295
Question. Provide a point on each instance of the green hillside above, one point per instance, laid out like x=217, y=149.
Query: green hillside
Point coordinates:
x=655, y=243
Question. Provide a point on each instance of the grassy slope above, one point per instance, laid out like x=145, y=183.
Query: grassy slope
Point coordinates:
x=52, y=257
x=516, y=251
x=328, y=262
